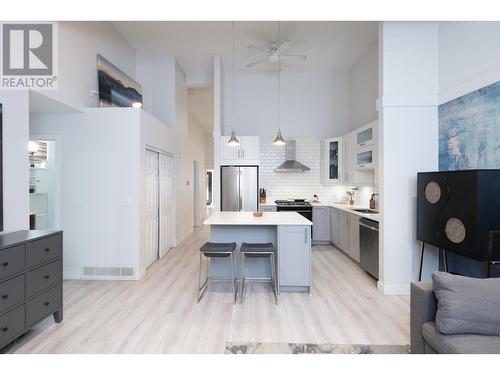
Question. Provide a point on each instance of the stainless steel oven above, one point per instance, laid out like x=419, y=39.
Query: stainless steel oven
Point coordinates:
x=297, y=205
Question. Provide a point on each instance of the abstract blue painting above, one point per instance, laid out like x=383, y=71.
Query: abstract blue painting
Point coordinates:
x=469, y=138
x=469, y=130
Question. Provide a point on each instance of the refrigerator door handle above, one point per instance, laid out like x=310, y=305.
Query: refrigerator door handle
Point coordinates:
x=241, y=203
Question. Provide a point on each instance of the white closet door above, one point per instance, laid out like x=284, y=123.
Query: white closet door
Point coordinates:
x=152, y=207
x=166, y=208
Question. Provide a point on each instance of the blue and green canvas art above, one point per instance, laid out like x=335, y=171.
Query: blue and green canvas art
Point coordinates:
x=469, y=130
x=469, y=138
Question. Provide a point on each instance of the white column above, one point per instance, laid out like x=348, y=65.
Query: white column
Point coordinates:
x=218, y=126
x=408, y=136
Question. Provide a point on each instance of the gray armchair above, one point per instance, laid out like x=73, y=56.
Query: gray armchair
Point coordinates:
x=425, y=338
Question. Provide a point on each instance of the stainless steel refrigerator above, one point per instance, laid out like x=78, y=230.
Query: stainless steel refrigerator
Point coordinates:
x=239, y=188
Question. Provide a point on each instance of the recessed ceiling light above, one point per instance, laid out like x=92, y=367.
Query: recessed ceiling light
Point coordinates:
x=137, y=105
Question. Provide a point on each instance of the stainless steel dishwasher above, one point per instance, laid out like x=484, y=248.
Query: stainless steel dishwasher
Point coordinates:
x=368, y=246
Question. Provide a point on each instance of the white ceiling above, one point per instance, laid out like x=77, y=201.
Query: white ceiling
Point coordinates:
x=328, y=45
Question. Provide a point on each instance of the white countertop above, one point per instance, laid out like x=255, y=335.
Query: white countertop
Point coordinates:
x=347, y=208
x=247, y=218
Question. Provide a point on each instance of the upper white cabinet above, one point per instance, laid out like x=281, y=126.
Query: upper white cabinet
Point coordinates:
x=228, y=152
x=360, y=155
x=247, y=152
x=332, y=155
x=366, y=135
x=365, y=157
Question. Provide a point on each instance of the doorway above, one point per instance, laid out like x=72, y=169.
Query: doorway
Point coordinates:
x=43, y=184
x=196, y=193
x=159, y=205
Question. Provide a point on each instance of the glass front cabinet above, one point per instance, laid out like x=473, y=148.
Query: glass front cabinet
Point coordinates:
x=332, y=160
x=365, y=157
x=366, y=135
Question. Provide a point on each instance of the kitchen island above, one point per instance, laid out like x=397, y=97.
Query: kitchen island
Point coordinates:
x=288, y=231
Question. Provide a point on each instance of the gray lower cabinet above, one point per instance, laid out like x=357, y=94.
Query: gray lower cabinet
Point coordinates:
x=321, y=224
x=294, y=271
x=344, y=232
x=354, y=244
x=30, y=281
x=335, y=227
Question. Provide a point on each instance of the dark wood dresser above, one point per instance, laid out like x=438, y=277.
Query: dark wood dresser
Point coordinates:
x=31, y=266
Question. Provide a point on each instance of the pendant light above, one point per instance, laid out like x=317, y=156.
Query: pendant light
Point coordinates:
x=233, y=141
x=279, y=140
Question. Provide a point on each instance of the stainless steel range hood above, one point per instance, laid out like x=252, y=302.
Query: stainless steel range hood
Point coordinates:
x=290, y=164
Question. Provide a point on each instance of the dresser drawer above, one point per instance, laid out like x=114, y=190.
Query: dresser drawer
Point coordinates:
x=43, y=305
x=12, y=261
x=11, y=292
x=11, y=325
x=43, y=277
x=43, y=250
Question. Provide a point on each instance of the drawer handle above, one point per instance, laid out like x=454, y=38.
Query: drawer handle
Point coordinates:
x=5, y=264
x=46, y=277
x=47, y=249
x=5, y=296
x=47, y=303
x=5, y=329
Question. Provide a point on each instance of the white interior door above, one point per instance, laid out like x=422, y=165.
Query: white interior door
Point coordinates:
x=166, y=203
x=152, y=207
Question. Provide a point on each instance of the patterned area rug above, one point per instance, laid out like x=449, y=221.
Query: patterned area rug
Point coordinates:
x=283, y=348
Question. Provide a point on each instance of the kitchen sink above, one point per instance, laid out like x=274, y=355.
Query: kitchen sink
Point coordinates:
x=365, y=210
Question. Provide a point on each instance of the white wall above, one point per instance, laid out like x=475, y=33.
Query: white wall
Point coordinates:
x=79, y=44
x=157, y=77
x=363, y=89
x=102, y=183
x=312, y=103
x=408, y=143
x=15, y=160
x=469, y=57
x=99, y=185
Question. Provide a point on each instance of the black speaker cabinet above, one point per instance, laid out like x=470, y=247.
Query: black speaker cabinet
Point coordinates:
x=460, y=211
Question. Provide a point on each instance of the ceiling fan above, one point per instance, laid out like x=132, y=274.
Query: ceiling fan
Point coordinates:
x=274, y=54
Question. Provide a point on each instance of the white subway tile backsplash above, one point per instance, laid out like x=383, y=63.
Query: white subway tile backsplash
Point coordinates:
x=283, y=185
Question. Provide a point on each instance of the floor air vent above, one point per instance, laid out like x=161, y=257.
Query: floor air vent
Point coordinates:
x=108, y=273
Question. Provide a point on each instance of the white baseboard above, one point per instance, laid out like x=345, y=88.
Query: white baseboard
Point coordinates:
x=72, y=275
x=394, y=289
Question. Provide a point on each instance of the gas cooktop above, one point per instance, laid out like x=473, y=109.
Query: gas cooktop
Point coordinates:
x=292, y=202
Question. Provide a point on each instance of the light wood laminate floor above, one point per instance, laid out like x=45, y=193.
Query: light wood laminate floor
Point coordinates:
x=159, y=313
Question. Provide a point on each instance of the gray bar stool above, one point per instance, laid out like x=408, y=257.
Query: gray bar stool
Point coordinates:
x=216, y=250
x=258, y=250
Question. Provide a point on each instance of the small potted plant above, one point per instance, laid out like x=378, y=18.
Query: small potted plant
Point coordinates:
x=351, y=193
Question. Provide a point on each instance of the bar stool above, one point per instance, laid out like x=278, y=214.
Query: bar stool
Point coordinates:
x=258, y=250
x=216, y=250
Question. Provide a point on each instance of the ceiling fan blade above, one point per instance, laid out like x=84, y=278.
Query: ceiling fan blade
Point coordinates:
x=258, y=49
x=255, y=63
x=303, y=57
x=284, y=44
